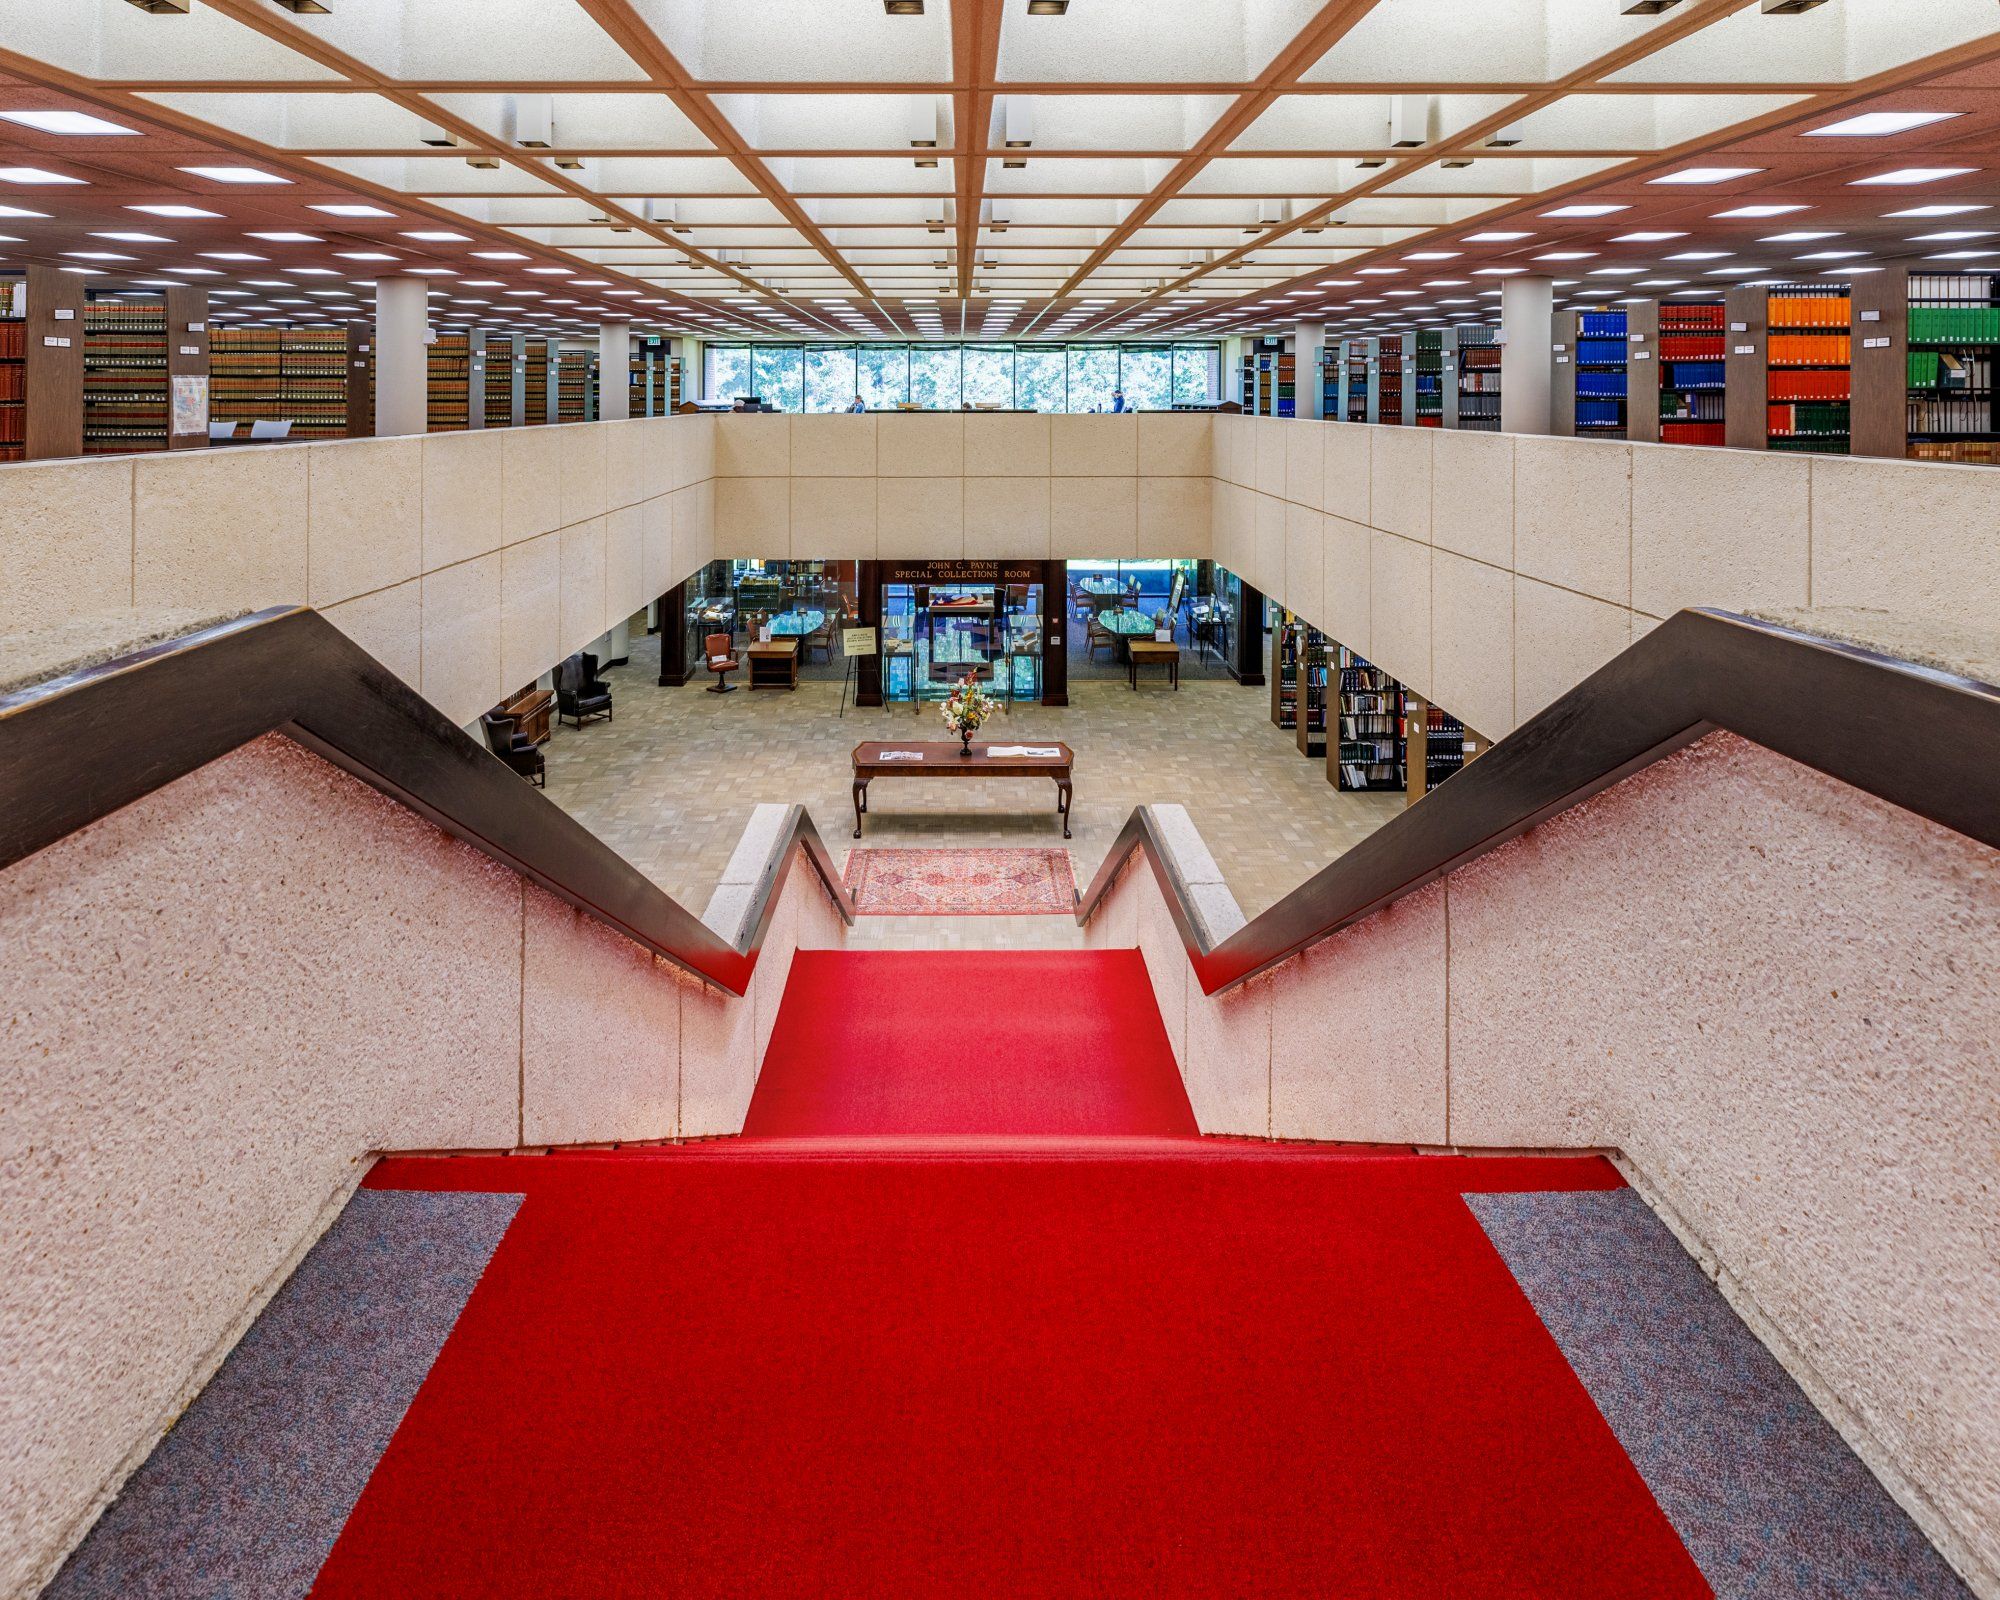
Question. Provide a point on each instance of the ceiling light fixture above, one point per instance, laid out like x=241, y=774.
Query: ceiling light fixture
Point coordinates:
x=234, y=174
x=1048, y=8
x=161, y=8
x=1759, y=211
x=33, y=175
x=440, y=236
x=1938, y=211
x=1575, y=211
x=74, y=123
x=353, y=211
x=1707, y=175
x=1879, y=124
x=134, y=238
x=1903, y=175
x=1795, y=238
x=903, y=8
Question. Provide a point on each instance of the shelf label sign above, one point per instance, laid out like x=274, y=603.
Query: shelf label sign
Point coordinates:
x=65, y=314
x=1642, y=355
x=190, y=349
x=1871, y=316
x=1739, y=327
x=55, y=343
x=1746, y=349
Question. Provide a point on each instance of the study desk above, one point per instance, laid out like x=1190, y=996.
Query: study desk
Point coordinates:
x=1152, y=653
x=938, y=759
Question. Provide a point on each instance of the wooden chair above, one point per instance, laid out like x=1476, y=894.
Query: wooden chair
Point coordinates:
x=1098, y=637
x=820, y=639
x=721, y=659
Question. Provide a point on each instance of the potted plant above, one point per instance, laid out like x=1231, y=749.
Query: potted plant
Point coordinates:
x=965, y=709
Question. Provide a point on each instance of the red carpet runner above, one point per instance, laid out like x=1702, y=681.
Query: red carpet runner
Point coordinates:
x=1136, y=1366
x=969, y=1042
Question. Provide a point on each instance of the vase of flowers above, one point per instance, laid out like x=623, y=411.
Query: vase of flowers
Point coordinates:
x=965, y=709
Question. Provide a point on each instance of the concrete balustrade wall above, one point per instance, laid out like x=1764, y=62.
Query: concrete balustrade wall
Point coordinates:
x=469, y=563
x=963, y=485
x=1774, y=995
x=214, y=1006
x=1492, y=572
x=1489, y=572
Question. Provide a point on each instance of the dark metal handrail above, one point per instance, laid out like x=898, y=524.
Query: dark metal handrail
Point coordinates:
x=75, y=748
x=1921, y=738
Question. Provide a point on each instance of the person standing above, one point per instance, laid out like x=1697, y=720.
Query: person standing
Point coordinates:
x=857, y=406
x=1117, y=399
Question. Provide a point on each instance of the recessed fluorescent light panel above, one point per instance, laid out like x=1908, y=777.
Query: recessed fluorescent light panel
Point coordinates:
x=33, y=175
x=235, y=174
x=1646, y=238
x=1939, y=211
x=174, y=211
x=1880, y=124
x=1759, y=211
x=66, y=122
x=1585, y=211
x=1707, y=175
x=353, y=211
x=1903, y=175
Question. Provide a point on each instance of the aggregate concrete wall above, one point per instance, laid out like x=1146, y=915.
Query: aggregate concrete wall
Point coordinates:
x=1776, y=996
x=215, y=1005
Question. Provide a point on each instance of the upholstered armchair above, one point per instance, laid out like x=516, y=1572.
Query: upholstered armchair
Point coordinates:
x=580, y=693
x=505, y=739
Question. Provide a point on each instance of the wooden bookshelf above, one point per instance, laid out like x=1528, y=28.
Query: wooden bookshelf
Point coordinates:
x=1285, y=673
x=573, y=391
x=1309, y=725
x=538, y=392
x=1810, y=384
x=497, y=399
x=13, y=370
x=1388, y=381
x=124, y=377
x=447, y=392
x=1693, y=386
x=298, y=375
x=1434, y=746
x=1368, y=752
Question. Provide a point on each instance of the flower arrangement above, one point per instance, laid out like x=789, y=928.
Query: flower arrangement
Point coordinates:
x=966, y=708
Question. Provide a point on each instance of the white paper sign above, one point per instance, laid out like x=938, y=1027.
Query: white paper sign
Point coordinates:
x=1746, y=349
x=64, y=314
x=54, y=343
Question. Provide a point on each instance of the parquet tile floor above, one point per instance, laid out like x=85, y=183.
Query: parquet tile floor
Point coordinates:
x=670, y=782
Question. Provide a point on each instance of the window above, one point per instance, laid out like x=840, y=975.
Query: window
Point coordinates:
x=1197, y=375
x=989, y=375
x=883, y=375
x=778, y=371
x=1093, y=374
x=830, y=380
x=942, y=377
x=1148, y=379
x=1040, y=379
x=934, y=376
x=728, y=373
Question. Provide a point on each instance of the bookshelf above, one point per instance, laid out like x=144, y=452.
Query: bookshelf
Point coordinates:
x=1332, y=381
x=13, y=372
x=446, y=395
x=124, y=377
x=1369, y=752
x=1953, y=336
x=1600, y=374
x=501, y=365
x=535, y=383
x=1692, y=368
x=1435, y=745
x=1810, y=387
x=1310, y=723
x=573, y=386
x=1356, y=365
x=1425, y=349
x=1474, y=398
x=1285, y=652
x=295, y=374
x=1389, y=381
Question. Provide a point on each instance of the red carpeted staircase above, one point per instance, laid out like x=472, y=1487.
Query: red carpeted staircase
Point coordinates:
x=972, y=1310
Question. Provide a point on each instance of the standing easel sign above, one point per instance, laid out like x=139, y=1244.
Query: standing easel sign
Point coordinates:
x=854, y=644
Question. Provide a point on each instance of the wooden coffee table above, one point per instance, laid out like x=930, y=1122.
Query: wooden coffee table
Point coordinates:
x=1152, y=653
x=936, y=759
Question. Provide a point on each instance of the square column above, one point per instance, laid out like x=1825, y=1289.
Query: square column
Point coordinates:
x=1526, y=354
x=402, y=355
x=614, y=371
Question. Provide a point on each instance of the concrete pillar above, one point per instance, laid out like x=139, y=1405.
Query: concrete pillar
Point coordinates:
x=1308, y=389
x=1525, y=357
x=402, y=355
x=614, y=371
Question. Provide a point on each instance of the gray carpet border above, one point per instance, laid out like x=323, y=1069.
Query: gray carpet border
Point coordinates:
x=248, y=1491
x=1768, y=1498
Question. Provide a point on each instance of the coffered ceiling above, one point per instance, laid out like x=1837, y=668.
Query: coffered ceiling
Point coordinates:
x=987, y=168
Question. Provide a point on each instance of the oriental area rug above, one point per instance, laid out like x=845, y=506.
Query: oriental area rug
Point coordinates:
x=961, y=883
